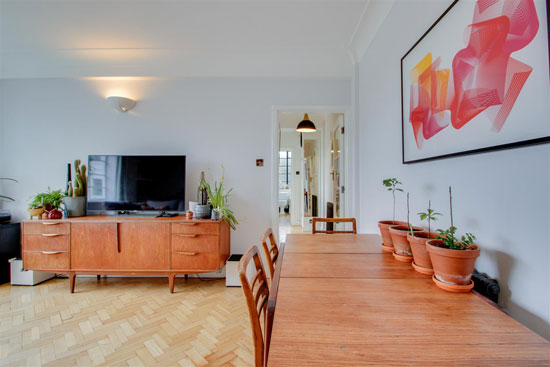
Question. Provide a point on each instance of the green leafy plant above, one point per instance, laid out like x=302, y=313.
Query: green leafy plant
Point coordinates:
x=451, y=241
x=430, y=215
x=49, y=200
x=218, y=199
x=448, y=236
x=3, y=197
x=80, y=181
x=392, y=185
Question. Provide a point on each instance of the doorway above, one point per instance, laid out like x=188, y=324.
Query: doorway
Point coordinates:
x=310, y=170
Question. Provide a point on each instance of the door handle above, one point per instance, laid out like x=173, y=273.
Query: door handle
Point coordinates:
x=187, y=235
x=186, y=253
x=188, y=224
x=51, y=223
x=50, y=252
x=52, y=234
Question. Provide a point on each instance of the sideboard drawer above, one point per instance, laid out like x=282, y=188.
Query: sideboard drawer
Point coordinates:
x=46, y=260
x=46, y=242
x=201, y=243
x=46, y=227
x=194, y=261
x=196, y=228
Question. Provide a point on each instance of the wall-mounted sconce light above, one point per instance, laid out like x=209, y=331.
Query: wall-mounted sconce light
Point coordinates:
x=121, y=104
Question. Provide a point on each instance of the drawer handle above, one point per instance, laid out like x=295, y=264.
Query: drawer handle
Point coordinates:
x=50, y=252
x=189, y=224
x=186, y=235
x=51, y=234
x=51, y=223
x=186, y=253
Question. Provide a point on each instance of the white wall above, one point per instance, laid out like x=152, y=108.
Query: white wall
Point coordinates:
x=49, y=122
x=502, y=197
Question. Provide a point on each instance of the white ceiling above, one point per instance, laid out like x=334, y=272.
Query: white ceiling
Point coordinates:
x=185, y=38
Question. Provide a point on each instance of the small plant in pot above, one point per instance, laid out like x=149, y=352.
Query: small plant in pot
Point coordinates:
x=391, y=184
x=203, y=208
x=453, y=259
x=218, y=199
x=402, y=249
x=422, y=262
x=75, y=201
x=48, y=204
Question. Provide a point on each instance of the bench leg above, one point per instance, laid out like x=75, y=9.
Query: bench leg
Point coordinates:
x=72, y=281
x=171, y=281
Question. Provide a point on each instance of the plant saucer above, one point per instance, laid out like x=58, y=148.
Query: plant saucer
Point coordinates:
x=455, y=288
x=422, y=270
x=403, y=258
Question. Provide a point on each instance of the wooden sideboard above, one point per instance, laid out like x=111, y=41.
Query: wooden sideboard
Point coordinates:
x=102, y=245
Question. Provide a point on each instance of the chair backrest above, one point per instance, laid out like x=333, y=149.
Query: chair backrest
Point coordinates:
x=271, y=250
x=256, y=292
x=334, y=220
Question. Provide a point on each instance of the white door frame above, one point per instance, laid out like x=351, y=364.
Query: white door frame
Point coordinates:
x=350, y=208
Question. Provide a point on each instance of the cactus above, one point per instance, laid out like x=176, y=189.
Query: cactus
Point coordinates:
x=70, y=189
x=80, y=180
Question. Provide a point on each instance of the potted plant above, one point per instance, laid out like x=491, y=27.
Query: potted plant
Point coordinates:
x=218, y=199
x=47, y=203
x=453, y=259
x=402, y=249
x=391, y=184
x=203, y=208
x=75, y=201
x=5, y=215
x=422, y=262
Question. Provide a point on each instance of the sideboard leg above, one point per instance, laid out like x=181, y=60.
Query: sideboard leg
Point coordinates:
x=72, y=280
x=98, y=277
x=171, y=280
x=186, y=276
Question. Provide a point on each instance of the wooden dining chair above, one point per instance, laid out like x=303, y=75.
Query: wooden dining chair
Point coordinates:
x=271, y=250
x=334, y=220
x=256, y=293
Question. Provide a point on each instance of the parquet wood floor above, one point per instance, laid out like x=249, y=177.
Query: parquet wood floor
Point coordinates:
x=124, y=322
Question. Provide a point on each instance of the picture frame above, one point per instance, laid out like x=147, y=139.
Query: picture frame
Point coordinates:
x=449, y=112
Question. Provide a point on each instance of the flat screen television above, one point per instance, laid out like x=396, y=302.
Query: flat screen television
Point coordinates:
x=134, y=183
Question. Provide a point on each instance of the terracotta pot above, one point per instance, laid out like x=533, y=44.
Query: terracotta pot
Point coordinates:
x=418, y=248
x=452, y=266
x=384, y=226
x=399, y=237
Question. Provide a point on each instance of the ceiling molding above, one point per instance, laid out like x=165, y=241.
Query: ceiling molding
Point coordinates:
x=372, y=18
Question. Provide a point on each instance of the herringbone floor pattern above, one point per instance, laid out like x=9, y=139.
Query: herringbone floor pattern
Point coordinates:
x=124, y=322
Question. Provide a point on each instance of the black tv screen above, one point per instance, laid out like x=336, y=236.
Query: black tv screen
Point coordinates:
x=136, y=183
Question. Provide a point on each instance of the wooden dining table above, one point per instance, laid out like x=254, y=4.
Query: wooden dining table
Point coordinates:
x=342, y=301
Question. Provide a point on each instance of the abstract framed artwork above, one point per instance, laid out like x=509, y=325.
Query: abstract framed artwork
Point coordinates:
x=477, y=80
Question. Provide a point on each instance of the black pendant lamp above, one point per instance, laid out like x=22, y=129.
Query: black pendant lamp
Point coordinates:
x=306, y=125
